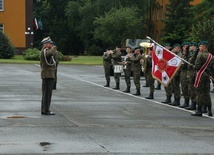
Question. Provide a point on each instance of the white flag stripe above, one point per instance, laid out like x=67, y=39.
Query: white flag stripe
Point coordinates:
x=159, y=52
x=165, y=77
x=174, y=62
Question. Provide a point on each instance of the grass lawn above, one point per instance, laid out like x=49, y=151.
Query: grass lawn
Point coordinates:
x=77, y=60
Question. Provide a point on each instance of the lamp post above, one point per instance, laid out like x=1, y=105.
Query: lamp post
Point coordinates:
x=29, y=38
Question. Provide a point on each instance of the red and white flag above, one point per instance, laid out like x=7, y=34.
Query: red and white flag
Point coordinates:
x=164, y=65
x=36, y=24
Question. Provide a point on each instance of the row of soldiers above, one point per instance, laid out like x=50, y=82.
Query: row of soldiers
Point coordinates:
x=195, y=53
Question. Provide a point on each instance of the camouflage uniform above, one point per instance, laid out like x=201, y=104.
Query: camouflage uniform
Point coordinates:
x=150, y=79
x=203, y=90
x=136, y=68
x=107, y=67
x=128, y=71
x=116, y=56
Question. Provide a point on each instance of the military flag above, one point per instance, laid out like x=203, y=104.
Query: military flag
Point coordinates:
x=36, y=24
x=164, y=64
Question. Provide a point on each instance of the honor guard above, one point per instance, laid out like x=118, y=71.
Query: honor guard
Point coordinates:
x=204, y=66
x=48, y=66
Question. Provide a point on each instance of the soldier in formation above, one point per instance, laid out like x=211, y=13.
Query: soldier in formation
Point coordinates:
x=107, y=66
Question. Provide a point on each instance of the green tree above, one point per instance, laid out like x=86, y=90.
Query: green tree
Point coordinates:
x=202, y=28
x=7, y=50
x=119, y=24
x=178, y=21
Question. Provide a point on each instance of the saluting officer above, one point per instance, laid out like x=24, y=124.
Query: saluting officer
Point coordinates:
x=47, y=64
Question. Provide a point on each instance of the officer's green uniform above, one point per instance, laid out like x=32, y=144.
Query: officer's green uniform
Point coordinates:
x=136, y=69
x=150, y=79
x=203, y=90
x=56, y=58
x=116, y=56
x=47, y=64
x=107, y=67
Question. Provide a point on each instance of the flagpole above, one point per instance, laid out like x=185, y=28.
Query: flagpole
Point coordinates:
x=168, y=50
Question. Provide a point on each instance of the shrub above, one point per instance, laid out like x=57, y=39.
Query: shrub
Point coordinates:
x=7, y=50
x=31, y=54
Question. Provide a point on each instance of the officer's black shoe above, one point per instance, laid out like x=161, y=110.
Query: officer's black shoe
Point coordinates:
x=151, y=96
x=192, y=106
x=204, y=109
x=186, y=103
x=137, y=93
x=168, y=100
x=48, y=113
x=198, y=112
x=212, y=91
x=127, y=90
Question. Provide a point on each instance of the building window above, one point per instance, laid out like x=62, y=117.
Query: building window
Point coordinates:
x=1, y=5
x=2, y=27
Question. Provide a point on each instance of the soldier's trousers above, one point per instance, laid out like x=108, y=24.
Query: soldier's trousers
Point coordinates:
x=150, y=81
x=136, y=77
x=184, y=84
x=168, y=89
x=176, y=86
x=47, y=87
x=127, y=77
x=203, y=92
x=107, y=73
x=191, y=87
x=117, y=77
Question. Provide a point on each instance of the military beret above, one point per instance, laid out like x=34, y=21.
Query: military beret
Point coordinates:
x=47, y=40
x=203, y=43
x=118, y=46
x=193, y=44
x=176, y=45
x=166, y=44
x=185, y=43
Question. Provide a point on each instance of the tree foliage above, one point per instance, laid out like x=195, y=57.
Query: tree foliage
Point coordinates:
x=178, y=21
x=7, y=50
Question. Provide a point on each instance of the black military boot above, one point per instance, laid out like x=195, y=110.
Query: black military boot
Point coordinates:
x=176, y=102
x=107, y=84
x=151, y=96
x=204, y=109
x=186, y=103
x=158, y=87
x=192, y=106
x=168, y=100
x=127, y=90
x=146, y=85
x=117, y=86
x=210, y=111
x=137, y=92
x=198, y=112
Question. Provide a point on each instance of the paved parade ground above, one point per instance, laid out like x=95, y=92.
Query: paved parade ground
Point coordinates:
x=92, y=119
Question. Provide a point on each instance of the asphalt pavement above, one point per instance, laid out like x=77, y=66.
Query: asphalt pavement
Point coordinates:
x=92, y=119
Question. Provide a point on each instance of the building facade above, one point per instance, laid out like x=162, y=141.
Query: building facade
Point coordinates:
x=16, y=21
x=158, y=14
